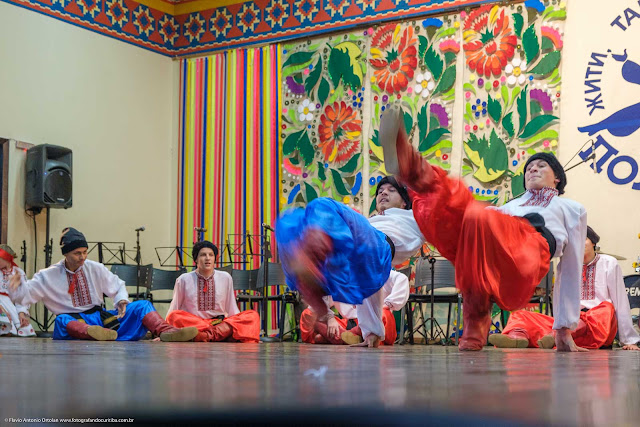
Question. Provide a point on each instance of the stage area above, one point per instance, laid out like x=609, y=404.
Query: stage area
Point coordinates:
x=222, y=383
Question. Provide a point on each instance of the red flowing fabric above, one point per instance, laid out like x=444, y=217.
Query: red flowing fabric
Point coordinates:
x=496, y=256
x=390, y=333
x=245, y=325
x=597, y=327
x=308, y=320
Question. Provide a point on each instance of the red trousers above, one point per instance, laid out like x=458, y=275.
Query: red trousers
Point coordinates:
x=596, y=328
x=308, y=321
x=245, y=325
x=497, y=257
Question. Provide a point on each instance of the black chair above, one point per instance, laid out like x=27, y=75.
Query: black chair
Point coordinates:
x=244, y=283
x=129, y=274
x=163, y=280
x=443, y=277
x=276, y=278
x=632, y=285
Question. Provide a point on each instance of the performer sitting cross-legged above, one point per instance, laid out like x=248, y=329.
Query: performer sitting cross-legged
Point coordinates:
x=204, y=299
x=73, y=290
x=605, y=310
x=499, y=254
x=315, y=330
x=14, y=318
x=330, y=249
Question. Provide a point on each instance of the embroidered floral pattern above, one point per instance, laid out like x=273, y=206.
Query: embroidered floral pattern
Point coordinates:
x=541, y=197
x=588, y=287
x=393, y=57
x=81, y=295
x=339, y=132
x=206, y=293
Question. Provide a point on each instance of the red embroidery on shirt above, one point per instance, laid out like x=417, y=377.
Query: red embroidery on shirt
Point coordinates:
x=588, y=288
x=80, y=286
x=541, y=197
x=206, y=293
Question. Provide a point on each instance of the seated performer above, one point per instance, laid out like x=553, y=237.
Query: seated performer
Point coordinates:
x=499, y=254
x=204, y=299
x=330, y=249
x=316, y=331
x=605, y=310
x=73, y=290
x=14, y=318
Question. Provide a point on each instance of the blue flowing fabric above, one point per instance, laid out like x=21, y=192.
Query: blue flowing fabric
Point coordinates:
x=360, y=262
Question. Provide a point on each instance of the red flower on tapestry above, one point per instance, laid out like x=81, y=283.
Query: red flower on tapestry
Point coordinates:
x=489, y=41
x=339, y=132
x=393, y=57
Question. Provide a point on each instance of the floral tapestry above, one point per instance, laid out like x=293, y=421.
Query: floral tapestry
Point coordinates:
x=511, y=93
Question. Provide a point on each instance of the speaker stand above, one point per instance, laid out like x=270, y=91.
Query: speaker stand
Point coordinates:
x=48, y=249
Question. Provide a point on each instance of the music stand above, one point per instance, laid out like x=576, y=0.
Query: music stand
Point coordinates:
x=115, y=252
x=432, y=319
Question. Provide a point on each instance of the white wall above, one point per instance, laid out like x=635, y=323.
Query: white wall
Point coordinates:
x=115, y=105
x=613, y=210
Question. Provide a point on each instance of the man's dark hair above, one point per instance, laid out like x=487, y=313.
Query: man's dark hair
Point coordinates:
x=201, y=245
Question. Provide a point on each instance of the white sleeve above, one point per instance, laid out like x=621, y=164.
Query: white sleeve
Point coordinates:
x=176, y=300
x=20, y=308
x=113, y=286
x=618, y=295
x=566, y=292
x=231, y=305
x=399, y=291
x=30, y=291
x=370, y=316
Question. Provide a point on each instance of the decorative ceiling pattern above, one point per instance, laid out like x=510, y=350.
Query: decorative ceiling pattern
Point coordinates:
x=181, y=28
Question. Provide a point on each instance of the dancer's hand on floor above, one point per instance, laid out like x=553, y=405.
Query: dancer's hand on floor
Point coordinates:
x=372, y=341
x=564, y=341
x=333, y=328
x=631, y=347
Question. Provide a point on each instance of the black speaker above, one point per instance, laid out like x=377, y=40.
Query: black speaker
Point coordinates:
x=48, y=180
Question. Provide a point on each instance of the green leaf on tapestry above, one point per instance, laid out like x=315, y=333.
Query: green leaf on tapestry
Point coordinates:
x=447, y=80
x=408, y=122
x=536, y=124
x=433, y=137
x=445, y=32
x=372, y=208
x=310, y=192
x=374, y=138
x=298, y=58
x=291, y=142
x=489, y=156
x=351, y=165
x=294, y=160
x=435, y=64
x=505, y=94
x=470, y=112
x=468, y=87
x=337, y=93
x=434, y=122
x=343, y=64
x=534, y=108
x=306, y=149
x=507, y=124
x=547, y=64
x=314, y=75
x=522, y=108
x=546, y=44
x=423, y=124
x=518, y=22
x=450, y=57
x=547, y=134
x=323, y=90
x=517, y=184
x=338, y=183
x=494, y=108
x=530, y=44
x=321, y=174
x=557, y=15
x=423, y=46
x=297, y=78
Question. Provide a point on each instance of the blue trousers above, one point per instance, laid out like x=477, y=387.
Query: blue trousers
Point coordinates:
x=131, y=328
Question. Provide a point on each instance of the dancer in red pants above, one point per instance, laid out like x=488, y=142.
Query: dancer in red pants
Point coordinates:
x=501, y=253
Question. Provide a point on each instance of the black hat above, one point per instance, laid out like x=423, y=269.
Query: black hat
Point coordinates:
x=592, y=235
x=401, y=189
x=72, y=239
x=201, y=245
x=555, y=165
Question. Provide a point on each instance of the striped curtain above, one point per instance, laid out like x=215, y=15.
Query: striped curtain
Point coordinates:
x=229, y=156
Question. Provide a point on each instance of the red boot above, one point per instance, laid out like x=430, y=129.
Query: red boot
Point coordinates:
x=323, y=330
x=156, y=324
x=220, y=332
x=316, y=246
x=476, y=317
x=82, y=331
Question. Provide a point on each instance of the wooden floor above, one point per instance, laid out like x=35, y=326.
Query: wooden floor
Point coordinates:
x=299, y=384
